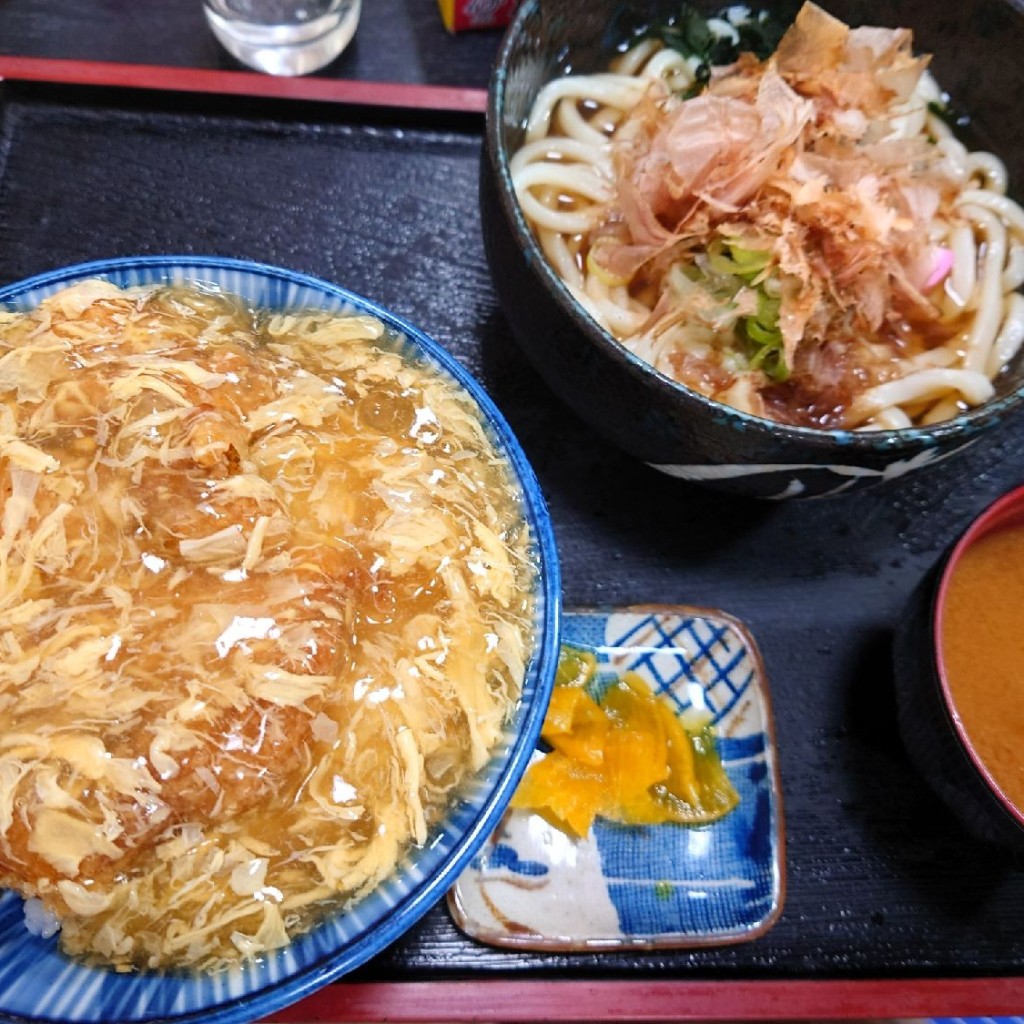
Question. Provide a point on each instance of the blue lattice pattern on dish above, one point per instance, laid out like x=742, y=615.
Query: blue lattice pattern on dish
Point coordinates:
x=665, y=885
x=694, y=660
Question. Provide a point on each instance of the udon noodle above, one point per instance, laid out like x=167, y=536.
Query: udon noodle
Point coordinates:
x=803, y=238
x=265, y=603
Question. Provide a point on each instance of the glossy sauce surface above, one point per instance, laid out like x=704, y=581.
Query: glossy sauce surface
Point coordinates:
x=264, y=604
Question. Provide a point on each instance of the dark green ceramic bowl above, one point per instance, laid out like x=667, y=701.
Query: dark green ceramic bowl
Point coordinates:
x=976, y=45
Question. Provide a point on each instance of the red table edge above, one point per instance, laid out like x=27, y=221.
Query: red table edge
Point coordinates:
x=448, y=99
x=651, y=1001
x=532, y=1000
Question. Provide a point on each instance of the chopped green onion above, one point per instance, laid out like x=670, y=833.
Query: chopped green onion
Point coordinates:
x=575, y=666
x=763, y=332
x=756, y=331
x=725, y=257
x=727, y=269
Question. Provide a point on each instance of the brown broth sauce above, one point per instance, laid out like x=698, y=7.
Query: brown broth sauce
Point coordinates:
x=837, y=361
x=982, y=648
x=284, y=620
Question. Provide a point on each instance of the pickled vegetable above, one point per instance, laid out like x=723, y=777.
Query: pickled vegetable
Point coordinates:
x=621, y=752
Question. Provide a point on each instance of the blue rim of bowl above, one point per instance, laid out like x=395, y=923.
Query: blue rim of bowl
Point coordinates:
x=974, y=419
x=540, y=674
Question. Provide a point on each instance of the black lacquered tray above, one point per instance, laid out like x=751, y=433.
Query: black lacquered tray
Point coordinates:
x=397, y=40
x=889, y=905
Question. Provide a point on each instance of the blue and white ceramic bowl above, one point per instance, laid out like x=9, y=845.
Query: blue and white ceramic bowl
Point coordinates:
x=648, y=886
x=645, y=413
x=37, y=983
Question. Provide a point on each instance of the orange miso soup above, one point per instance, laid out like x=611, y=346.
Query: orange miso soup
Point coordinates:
x=982, y=651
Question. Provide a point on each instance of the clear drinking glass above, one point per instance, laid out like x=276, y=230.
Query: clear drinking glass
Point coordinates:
x=283, y=37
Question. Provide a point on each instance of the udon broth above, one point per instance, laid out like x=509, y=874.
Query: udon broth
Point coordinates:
x=796, y=233
x=265, y=603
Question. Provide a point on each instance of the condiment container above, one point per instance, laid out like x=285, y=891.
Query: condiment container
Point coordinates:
x=459, y=15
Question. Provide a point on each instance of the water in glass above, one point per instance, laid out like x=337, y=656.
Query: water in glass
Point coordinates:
x=283, y=37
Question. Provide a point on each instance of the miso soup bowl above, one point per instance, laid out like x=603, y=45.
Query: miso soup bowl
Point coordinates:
x=935, y=736
x=37, y=983
x=976, y=46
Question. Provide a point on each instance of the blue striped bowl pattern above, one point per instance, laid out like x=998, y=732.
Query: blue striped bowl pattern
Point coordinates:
x=663, y=886
x=37, y=983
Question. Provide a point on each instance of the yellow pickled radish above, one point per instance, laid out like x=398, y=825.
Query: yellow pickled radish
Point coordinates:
x=627, y=757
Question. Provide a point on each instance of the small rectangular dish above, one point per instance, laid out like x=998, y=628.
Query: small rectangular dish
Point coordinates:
x=656, y=886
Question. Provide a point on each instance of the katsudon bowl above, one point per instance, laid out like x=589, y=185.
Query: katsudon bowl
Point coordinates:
x=642, y=410
x=39, y=982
